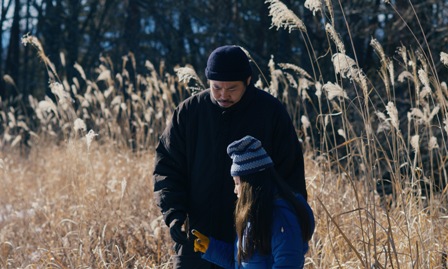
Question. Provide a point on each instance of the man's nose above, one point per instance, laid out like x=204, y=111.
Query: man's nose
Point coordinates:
x=224, y=94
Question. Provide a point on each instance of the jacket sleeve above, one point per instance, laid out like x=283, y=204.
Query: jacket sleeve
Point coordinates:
x=287, y=252
x=220, y=253
x=288, y=155
x=170, y=170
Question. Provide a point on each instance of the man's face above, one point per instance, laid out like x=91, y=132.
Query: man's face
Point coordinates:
x=227, y=93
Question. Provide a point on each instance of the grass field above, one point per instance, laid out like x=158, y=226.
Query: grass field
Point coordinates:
x=65, y=206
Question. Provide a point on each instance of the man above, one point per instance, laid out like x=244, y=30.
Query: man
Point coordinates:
x=191, y=175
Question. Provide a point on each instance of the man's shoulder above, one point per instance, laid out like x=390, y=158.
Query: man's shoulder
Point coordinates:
x=195, y=100
x=267, y=102
x=262, y=95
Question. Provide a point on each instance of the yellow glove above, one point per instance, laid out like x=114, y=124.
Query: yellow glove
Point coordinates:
x=201, y=243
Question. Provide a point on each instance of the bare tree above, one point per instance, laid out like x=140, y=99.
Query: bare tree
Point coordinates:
x=13, y=54
x=171, y=32
x=4, y=10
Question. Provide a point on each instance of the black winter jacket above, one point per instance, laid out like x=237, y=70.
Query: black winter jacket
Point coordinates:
x=192, y=169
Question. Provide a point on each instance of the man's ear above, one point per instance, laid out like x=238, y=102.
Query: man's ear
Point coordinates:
x=248, y=80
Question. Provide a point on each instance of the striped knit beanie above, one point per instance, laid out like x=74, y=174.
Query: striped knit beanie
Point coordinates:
x=248, y=156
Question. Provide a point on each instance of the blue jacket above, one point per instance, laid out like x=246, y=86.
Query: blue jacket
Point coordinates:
x=288, y=248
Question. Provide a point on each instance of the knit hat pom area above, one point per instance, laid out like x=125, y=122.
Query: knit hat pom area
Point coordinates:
x=248, y=156
x=228, y=63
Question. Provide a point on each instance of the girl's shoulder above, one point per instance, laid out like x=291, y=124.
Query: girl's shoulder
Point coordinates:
x=284, y=213
x=285, y=225
x=281, y=203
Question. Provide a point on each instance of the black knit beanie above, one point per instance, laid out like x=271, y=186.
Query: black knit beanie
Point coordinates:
x=228, y=63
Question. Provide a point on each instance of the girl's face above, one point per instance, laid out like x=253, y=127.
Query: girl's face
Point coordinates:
x=237, y=189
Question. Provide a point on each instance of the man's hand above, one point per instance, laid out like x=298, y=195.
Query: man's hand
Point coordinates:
x=201, y=243
x=176, y=232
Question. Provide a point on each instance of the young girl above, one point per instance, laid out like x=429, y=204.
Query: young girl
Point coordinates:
x=273, y=225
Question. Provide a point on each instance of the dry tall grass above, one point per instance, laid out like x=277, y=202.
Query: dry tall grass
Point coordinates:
x=377, y=180
x=69, y=207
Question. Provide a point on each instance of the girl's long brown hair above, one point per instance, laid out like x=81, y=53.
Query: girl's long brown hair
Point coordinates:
x=256, y=204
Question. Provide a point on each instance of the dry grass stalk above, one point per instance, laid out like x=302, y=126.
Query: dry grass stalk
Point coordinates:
x=329, y=5
x=387, y=67
x=33, y=41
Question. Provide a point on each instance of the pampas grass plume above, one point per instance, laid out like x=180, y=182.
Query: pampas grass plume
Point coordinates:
x=379, y=49
x=282, y=17
x=433, y=143
x=305, y=122
x=390, y=68
x=318, y=87
x=296, y=69
x=444, y=58
x=80, y=70
x=79, y=124
x=313, y=5
x=9, y=80
x=186, y=74
x=89, y=138
x=403, y=53
x=415, y=142
x=334, y=90
x=104, y=75
x=48, y=105
x=393, y=115
x=423, y=76
x=33, y=41
x=335, y=37
x=342, y=133
x=58, y=90
x=343, y=64
x=404, y=75
x=123, y=187
x=445, y=122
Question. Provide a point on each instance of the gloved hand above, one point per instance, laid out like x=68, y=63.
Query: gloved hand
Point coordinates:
x=201, y=243
x=176, y=232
